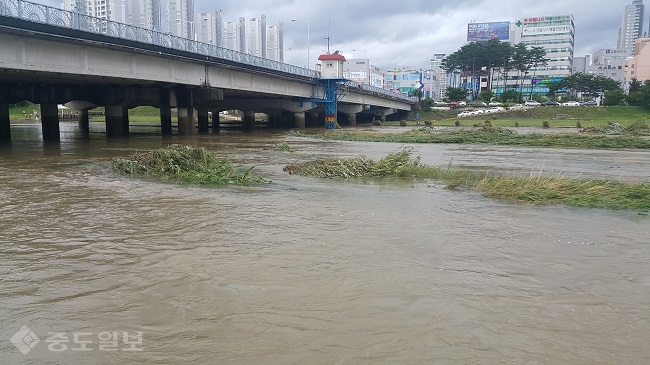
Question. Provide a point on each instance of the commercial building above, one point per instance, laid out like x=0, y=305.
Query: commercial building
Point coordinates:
x=555, y=34
x=403, y=79
x=631, y=26
x=638, y=66
x=439, y=79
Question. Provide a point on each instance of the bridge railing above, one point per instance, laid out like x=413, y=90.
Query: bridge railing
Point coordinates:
x=68, y=19
x=39, y=13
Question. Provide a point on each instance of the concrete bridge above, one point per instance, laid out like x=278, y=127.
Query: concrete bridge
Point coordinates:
x=52, y=56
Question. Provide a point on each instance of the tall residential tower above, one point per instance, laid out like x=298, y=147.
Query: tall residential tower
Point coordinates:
x=631, y=26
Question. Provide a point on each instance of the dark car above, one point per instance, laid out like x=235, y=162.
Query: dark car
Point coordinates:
x=551, y=103
x=589, y=103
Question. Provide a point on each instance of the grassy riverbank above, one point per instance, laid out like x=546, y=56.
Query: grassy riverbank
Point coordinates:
x=492, y=136
x=555, y=116
x=532, y=189
x=184, y=164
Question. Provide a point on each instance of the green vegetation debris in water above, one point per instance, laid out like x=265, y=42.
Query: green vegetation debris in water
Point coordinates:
x=531, y=189
x=283, y=146
x=184, y=164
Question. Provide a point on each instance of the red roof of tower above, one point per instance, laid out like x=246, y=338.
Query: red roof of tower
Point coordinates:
x=331, y=57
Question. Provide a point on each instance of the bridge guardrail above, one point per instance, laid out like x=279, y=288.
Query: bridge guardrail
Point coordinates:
x=39, y=13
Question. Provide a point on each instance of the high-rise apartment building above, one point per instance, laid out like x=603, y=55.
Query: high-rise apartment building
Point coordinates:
x=242, y=35
x=439, y=78
x=140, y=13
x=264, y=29
x=218, y=29
x=631, y=26
x=205, y=28
x=181, y=18
x=231, y=36
x=105, y=9
x=273, y=43
x=254, y=37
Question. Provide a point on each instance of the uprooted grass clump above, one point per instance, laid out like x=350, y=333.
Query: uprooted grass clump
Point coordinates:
x=184, y=164
x=283, y=146
x=398, y=164
x=638, y=128
x=530, y=189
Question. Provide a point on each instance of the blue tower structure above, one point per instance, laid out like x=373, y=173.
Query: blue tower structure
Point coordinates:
x=333, y=84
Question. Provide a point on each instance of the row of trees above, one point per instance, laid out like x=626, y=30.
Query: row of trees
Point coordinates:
x=638, y=95
x=478, y=60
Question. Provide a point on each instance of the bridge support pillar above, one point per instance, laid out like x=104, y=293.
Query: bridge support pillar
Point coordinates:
x=352, y=119
x=249, y=120
x=166, y=121
x=204, y=124
x=50, y=122
x=186, y=124
x=117, y=121
x=311, y=119
x=84, y=123
x=5, y=130
x=215, y=121
x=299, y=120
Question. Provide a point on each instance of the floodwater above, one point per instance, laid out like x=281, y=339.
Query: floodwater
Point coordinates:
x=310, y=271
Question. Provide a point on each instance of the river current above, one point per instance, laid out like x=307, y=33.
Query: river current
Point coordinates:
x=312, y=271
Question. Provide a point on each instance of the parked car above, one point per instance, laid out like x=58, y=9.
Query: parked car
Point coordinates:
x=551, y=103
x=532, y=103
x=456, y=104
x=496, y=109
x=515, y=107
x=590, y=103
x=571, y=103
x=464, y=114
x=494, y=103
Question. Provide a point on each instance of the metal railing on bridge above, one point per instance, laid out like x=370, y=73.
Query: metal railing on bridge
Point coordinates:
x=39, y=13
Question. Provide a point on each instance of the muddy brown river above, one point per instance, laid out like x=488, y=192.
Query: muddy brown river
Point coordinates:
x=99, y=268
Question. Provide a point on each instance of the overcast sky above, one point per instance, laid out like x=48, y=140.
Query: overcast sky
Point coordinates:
x=408, y=32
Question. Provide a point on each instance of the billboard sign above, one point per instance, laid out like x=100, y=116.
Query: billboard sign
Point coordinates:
x=483, y=32
x=553, y=29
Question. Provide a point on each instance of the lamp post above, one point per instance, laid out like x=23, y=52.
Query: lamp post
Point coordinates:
x=191, y=23
x=306, y=21
x=365, y=56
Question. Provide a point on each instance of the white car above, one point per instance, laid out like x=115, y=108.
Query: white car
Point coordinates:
x=464, y=114
x=494, y=103
x=571, y=103
x=496, y=109
x=515, y=107
x=532, y=103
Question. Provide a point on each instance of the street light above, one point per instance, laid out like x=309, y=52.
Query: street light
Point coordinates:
x=306, y=21
x=365, y=56
x=191, y=23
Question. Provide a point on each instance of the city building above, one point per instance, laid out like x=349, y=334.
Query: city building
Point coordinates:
x=439, y=79
x=205, y=28
x=254, y=37
x=242, y=35
x=218, y=29
x=638, y=66
x=140, y=13
x=631, y=26
x=357, y=69
x=114, y=10
x=231, y=36
x=402, y=79
x=273, y=42
x=181, y=18
x=555, y=34
x=264, y=45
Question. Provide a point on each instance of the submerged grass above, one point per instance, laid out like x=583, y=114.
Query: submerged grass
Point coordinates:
x=533, y=189
x=494, y=136
x=283, y=146
x=184, y=164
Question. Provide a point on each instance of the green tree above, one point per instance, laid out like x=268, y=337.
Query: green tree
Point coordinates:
x=635, y=85
x=426, y=104
x=614, y=97
x=511, y=95
x=456, y=93
x=486, y=95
